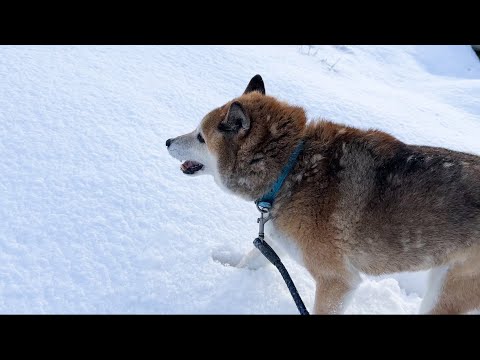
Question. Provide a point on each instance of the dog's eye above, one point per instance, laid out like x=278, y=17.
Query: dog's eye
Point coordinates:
x=200, y=138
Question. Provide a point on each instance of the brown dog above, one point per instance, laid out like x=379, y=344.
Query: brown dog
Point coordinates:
x=355, y=202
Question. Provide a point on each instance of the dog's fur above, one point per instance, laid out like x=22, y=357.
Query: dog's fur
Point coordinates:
x=355, y=202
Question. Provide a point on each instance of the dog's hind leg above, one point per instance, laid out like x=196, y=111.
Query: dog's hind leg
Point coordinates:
x=457, y=288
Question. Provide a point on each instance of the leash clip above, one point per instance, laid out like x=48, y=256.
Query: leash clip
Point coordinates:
x=262, y=220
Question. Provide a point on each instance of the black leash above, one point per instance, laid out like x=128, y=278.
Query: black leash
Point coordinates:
x=264, y=204
x=270, y=254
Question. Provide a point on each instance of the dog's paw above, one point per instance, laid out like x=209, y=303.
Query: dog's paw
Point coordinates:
x=227, y=257
x=254, y=260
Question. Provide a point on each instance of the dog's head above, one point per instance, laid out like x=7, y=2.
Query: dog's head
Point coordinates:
x=244, y=143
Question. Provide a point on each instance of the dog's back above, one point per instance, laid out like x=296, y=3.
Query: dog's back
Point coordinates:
x=389, y=207
x=423, y=206
x=398, y=207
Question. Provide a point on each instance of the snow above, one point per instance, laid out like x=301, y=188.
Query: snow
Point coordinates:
x=96, y=216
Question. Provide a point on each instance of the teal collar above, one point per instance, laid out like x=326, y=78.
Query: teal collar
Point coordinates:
x=266, y=201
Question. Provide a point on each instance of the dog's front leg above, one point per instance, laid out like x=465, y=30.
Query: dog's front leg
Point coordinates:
x=332, y=294
x=254, y=259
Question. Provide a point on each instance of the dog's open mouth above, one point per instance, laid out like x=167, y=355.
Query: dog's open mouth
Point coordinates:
x=190, y=167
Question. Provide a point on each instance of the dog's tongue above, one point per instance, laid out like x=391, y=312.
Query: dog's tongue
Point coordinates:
x=190, y=167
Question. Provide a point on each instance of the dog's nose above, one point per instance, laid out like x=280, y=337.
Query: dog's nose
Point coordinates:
x=169, y=142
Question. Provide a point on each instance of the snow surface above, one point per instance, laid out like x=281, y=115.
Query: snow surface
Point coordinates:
x=95, y=216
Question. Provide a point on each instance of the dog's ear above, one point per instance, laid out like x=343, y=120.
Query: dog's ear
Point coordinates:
x=235, y=120
x=256, y=84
